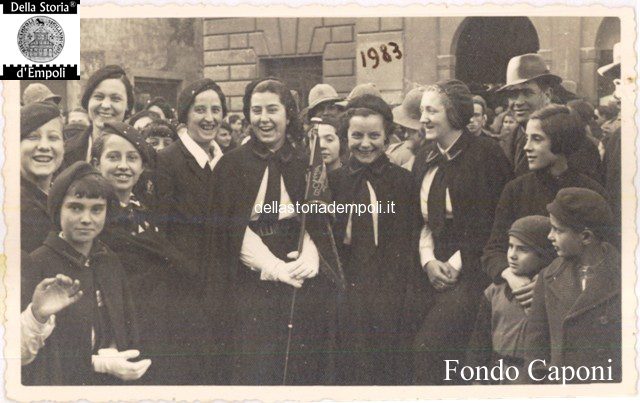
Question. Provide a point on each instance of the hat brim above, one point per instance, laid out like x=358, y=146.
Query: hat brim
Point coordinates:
x=401, y=118
x=54, y=98
x=306, y=110
x=508, y=86
x=607, y=69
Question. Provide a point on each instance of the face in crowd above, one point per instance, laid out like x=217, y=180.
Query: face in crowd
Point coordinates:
x=236, y=126
x=108, y=102
x=159, y=143
x=120, y=163
x=155, y=109
x=523, y=260
x=538, y=147
x=434, y=115
x=78, y=117
x=224, y=137
x=566, y=241
x=526, y=98
x=329, y=144
x=82, y=219
x=269, y=119
x=477, y=121
x=509, y=124
x=204, y=117
x=42, y=151
x=142, y=122
x=366, y=137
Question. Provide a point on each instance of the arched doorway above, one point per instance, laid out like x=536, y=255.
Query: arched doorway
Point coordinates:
x=608, y=35
x=484, y=45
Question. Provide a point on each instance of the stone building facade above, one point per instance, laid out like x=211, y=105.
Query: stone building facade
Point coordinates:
x=162, y=55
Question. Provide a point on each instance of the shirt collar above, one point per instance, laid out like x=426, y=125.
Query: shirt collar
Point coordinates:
x=202, y=158
x=448, y=152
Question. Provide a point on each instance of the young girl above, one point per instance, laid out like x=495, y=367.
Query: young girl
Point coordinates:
x=258, y=250
x=332, y=146
x=41, y=153
x=151, y=263
x=94, y=338
x=375, y=249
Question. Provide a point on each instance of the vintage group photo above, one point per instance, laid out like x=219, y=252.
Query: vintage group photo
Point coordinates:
x=174, y=202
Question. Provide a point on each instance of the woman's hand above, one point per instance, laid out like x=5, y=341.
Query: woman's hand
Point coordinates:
x=308, y=267
x=439, y=274
x=53, y=295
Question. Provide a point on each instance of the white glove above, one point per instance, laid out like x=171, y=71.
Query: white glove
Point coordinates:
x=113, y=362
x=280, y=272
x=309, y=260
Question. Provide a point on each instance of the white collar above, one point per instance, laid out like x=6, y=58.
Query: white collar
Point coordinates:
x=202, y=158
x=446, y=152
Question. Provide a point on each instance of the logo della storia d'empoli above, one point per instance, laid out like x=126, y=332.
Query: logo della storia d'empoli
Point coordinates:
x=40, y=39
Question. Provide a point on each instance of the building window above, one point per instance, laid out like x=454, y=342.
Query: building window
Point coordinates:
x=299, y=73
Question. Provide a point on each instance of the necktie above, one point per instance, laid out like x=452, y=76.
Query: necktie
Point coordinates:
x=272, y=195
x=436, y=203
x=362, y=236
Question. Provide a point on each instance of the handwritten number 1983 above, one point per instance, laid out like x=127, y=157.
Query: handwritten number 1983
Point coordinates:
x=375, y=55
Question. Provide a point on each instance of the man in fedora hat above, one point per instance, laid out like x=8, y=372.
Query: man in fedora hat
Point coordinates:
x=612, y=143
x=529, y=87
x=407, y=116
x=37, y=92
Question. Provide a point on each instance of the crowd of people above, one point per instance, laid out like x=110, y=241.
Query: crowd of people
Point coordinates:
x=146, y=260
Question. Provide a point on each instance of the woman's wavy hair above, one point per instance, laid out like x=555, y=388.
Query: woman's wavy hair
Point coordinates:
x=294, y=131
x=563, y=126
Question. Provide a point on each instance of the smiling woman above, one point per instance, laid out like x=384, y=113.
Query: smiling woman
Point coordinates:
x=108, y=97
x=41, y=152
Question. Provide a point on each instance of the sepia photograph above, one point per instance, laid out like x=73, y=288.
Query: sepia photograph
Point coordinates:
x=326, y=200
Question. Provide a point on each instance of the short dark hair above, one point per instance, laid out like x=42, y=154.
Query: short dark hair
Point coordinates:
x=92, y=186
x=234, y=118
x=98, y=147
x=106, y=73
x=336, y=123
x=271, y=84
x=225, y=126
x=160, y=128
x=343, y=131
x=164, y=106
x=563, y=126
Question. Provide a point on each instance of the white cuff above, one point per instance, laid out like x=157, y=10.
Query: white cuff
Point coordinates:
x=426, y=245
x=456, y=261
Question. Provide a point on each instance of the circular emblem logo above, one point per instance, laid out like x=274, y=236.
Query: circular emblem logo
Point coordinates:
x=40, y=39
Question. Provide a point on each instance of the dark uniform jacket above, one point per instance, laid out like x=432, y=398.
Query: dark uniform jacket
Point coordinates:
x=35, y=223
x=526, y=195
x=375, y=315
x=612, y=166
x=568, y=327
x=75, y=148
x=66, y=357
x=260, y=309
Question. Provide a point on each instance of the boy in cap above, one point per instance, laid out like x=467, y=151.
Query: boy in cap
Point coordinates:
x=95, y=335
x=501, y=320
x=407, y=116
x=575, y=317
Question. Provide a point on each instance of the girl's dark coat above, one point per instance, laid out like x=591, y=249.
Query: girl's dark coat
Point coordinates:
x=66, y=357
x=256, y=311
x=35, y=223
x=375, y=314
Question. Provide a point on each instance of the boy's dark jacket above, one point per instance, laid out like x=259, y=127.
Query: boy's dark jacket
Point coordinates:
x=65, y=358
x=569, y=328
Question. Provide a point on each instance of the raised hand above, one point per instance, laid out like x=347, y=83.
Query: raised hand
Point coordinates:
x=53, y=295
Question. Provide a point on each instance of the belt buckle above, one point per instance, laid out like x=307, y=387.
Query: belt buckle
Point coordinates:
x=267, y=230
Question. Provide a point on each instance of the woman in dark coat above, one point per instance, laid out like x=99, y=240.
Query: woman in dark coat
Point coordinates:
x=256, y=246
x=459, y=177
x=152, y=264
x=41, y=153
x=184, y=188
x=108, y=97
x=376, y=251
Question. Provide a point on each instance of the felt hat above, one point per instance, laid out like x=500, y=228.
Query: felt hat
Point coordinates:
x=533, y=231
x=132, y=135
x=528, y=67
x=189, y=93
x=359, y=90
x=581, y=208
x=34, y=115
x=37, y=92
x=407, y=114
x=613, y=69
x=321, y=93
